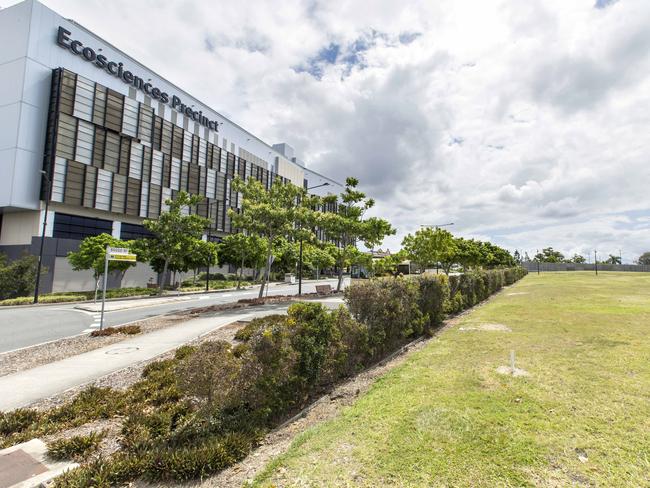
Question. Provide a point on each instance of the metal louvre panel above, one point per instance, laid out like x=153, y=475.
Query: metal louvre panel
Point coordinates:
x=125, y=155
x=166, y=137
x=187, y=146
x=66, y=136
x=145, y=123
x=157, y=132
x=156, y=167
x=98, y=150
x=68, y=85
x=132, y=197
x=83, y=100
x=223, y=165
x=104, y=185
x=111, y=151
x=185, y=170
x=202, y=152
x=114, y=109
x=211, y=183
x=130, y=117
x=58, y=179
x=118, y=202
x=99, y=107
x=166, y=195
x=175, y=179
x=202, y=180
x=221, y=187
x=144, y=199
x=166, y=170
x=195, y=149
x=193, y=179
x=135, y=167
x=177, y=142
x=85, y=136
x=154, y=201
x=90, y=187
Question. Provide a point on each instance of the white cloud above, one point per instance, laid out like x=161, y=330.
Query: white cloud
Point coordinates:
x=525, y=122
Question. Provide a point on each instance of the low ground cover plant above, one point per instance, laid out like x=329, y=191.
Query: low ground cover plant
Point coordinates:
x=109, y=331
x=76, y=448
x=206, y=408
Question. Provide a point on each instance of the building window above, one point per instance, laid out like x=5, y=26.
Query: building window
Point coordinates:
x=133, y=231
x=76, y=227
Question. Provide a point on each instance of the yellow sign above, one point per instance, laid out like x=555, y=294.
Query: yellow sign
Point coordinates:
x=122, y=257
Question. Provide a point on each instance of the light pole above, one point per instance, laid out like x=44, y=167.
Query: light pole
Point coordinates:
x=207, y=275
x=40, y=253
x=435, y=226
x=596, y=262
x=300, y=252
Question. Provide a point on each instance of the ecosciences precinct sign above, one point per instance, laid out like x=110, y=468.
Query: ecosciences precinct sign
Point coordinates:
x=117, y=69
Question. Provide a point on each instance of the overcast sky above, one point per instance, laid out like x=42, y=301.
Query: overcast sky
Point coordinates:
x=524, y=122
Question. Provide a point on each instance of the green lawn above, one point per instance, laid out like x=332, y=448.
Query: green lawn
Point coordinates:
x=446, y=418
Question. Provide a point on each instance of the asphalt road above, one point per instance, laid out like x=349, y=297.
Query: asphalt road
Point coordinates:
x=23, y=327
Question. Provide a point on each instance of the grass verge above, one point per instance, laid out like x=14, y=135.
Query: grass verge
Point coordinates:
x=445, y=417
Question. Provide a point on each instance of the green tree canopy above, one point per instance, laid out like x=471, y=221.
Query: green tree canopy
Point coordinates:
x=174, y=245
x=242, y=251
x=347, y=225
x=271, y=214
x=644, y=258
x=429, y=246
x=549, y=255
x=91, y=255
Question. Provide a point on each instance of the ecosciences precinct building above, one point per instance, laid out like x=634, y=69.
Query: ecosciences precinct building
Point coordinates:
x=107, y=141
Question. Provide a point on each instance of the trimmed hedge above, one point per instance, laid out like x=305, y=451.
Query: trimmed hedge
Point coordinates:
x=206, y=408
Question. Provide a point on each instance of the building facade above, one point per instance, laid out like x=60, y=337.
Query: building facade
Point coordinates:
x=106, y=141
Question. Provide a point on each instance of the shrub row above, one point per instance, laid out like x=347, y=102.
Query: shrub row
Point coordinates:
x=203, y=410
x=43, y=299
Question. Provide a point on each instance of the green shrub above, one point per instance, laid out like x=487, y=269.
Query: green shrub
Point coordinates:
x=434, y=293
x=17, y=277
x=184, y=352
x=244, y=334
x=389, y=308
x=76, y=447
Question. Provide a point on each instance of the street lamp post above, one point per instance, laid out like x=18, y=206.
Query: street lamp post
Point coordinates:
x=596, y=262
x=300, y=252
x=40, y=253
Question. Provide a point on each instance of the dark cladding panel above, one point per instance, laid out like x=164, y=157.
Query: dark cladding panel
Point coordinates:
x=66, y=136
x=98, y=148
x=133, y=197
x=114, y=108
x=99, y=106
x=112, y=152
x=154, y=201
x=90, y=186
x=118, y=202
x=68, y=85
x=74, y=183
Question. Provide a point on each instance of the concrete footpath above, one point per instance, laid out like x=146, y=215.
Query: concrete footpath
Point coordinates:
x=25, y=387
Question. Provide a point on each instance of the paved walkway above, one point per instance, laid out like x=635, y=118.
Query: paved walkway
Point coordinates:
x=25, y=387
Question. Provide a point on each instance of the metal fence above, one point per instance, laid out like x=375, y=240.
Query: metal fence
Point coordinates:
x=531, y=266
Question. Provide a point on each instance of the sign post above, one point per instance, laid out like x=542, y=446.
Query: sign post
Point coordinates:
x=113, y=254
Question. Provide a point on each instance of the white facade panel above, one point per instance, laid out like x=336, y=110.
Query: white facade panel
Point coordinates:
x=130, y=117
x=135, y=166
x=104, y=185
x=156, y=168
x=84, y=149
x=175, y=180
x=166, y=195
x=58, y=179
x=144, y=199
x=187, y=146
x=211, y=185
x=83, y=99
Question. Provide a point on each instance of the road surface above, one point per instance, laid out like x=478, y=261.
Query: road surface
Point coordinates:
x=28, y=326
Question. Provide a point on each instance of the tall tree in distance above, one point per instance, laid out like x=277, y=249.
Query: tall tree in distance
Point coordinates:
x=347, y=225
x=429, y=246
x=240, y=251
x=644, y=258
x=270, y=214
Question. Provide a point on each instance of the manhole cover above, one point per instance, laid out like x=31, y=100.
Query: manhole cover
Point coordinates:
x=122, y=350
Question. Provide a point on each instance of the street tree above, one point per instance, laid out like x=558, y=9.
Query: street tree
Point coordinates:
x=644, y=258
x=613, y=259
x=92, y=253
x=318, y=257
x=577, y=259
x=549, y=255
x=428, y=247
x=270, y=214
x=347, y=224
x=242, y=251
x=175, y=236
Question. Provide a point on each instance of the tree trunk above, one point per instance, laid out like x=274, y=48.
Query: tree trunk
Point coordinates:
x=340, y=282
x=161, y=283
x=267, y=271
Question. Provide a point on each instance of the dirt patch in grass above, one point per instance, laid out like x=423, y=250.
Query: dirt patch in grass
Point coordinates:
x=488, y=328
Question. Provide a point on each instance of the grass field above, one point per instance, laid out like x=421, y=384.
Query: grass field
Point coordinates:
x=445, y=417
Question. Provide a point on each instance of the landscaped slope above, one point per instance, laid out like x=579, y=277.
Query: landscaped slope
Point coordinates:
x=447, y=418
